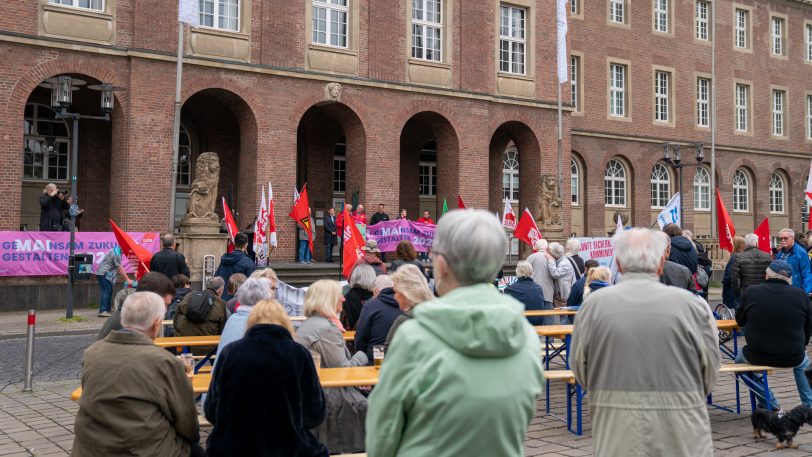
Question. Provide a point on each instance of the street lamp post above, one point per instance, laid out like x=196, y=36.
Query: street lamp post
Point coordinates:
x=62, y=88
x=804, y=216
x=673, y=158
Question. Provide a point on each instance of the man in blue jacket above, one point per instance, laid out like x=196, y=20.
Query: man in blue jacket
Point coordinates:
x=235, y=262
x=795, y=255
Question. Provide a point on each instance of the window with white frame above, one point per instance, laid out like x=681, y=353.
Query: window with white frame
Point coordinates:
x=330, y=22
x=702, y=189
x=617, y=11
x=742, y=107
x=512, y=39
x=742, y=30
x=575, y=81
x=808, y=42
x=97, y=5
x=662, y=81
x=220, y=14
x=575, y=7
x=575, y=182
x=779, y=98
x=776, y=194
x=46, y=145
x=614, y=184
x=183, y=176
x=428, y=170
x=510, y=175
x=617, y=90
x=427, y=30
x=809, y=117
x=703, y=102
x=777, y=36
x=702, y=14
x=661, y=16
x=741, y=192
x=660, y=186
x=340, y=167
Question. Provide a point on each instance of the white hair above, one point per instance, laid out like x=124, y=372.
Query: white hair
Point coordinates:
x=639, y=250
x=787, y=230
x=557, y=250
x=688, y=234
x=362, y=276
x=473, y=244
x=540, y=245
x=215, y=283
x=751, y=240
x=49, y=187
x=254, y=290
x=573, y=246
x=382, y=282
x=141, y=309
x=773, y=275
x=524, y=269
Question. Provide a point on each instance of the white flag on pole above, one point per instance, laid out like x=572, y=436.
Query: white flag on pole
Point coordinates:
x=509, y=218
x=670, y=214
x=261, y=233
x=809, y=185
x=561, y=51
x=189, y=12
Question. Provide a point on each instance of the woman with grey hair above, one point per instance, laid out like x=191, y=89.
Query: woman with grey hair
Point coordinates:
x=251, y=292
x=526, y=291
x=411, y=289
x=470, y=339
x=564, y=272
x=573, y=248
x=360, y=292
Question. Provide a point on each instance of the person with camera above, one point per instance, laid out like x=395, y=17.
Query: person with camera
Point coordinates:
x=50, y=215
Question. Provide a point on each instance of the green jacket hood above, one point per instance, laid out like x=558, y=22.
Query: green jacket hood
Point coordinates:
x=477, y=321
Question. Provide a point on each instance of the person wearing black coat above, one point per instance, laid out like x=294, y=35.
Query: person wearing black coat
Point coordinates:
x=777, y=322
x=167, y=260
x=376, y=319
x=265, y=397
x=330, y=233
x=528, y=293
x=50, y=213
x=748, y=267
x=236, y=261
x=683, y=250
x=379, y=216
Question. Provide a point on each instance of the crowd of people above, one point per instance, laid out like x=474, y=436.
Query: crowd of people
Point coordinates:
x=447, y=334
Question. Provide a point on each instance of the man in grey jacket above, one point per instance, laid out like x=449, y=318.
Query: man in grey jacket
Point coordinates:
x=648, y=355
x=541, y=275
x=675, y=274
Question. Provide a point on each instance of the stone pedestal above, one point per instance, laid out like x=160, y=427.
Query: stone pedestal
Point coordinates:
x=198, y=240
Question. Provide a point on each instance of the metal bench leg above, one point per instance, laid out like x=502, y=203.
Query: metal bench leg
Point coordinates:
x=579, y=397
x=738, y=397
x=567, y=341
x=547, y=368
x=569, y=407
x=709, y=398
x=766, y=390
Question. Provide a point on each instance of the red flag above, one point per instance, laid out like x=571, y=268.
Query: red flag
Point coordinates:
x=527, y=230
x=725, y=225
x=763, y=232
x=301, y=214
x=136, y=253
x=231, y=226
x=353, y=242
x=460, y=203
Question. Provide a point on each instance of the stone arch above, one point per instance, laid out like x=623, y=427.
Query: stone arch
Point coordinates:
x=527, y=144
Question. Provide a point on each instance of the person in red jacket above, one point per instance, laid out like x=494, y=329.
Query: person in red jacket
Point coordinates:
x=360, y=216
x=340, y=218
x=426, y=219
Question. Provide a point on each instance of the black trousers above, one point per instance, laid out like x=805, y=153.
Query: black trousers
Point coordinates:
x=330, y=243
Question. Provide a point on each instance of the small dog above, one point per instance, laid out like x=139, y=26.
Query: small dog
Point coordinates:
x=784, y=428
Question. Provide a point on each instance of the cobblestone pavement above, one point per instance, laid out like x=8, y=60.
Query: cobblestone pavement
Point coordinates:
x=15, y=324
x=55, y=358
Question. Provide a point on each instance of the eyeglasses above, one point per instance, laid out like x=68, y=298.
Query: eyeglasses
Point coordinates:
x=784, y=237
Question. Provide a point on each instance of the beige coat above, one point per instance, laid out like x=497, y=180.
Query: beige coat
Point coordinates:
x=136, y=400
x=648, y=355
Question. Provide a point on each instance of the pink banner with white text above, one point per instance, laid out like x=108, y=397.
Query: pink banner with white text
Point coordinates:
x=46, y=253
x=388, y=234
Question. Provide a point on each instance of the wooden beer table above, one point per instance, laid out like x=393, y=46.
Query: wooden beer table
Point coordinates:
x=550, y=312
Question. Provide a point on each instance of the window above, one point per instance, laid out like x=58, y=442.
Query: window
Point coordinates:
x=741, y=191
x=660, y=186
x=809, y=42
x=575, y=74
x=703, y=102
x=97, y=5
x=702, y=12
x=617, y=90
x=776, y=194
x=809, y=117
x=617, y=11
x=427, y=30
x=184, y=174
x=614, y=184
x=512, y=39
x=779, y=97
x=45, y=145
x=742, y=38
x=661, y=16
x=510, y=175
x=220, y=14
x=428, y=170
x=340, y=167
x=575, y=7
x=742, y=107
x=574, y=182
x=777, y=36
x=330, y=22
x=702, y=189
x=662, y=81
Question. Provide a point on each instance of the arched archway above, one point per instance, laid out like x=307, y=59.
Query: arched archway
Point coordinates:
x=578, y=199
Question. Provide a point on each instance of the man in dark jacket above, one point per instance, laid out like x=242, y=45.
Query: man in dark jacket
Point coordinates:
x=330, y=234
x=748, y=267
x=190, y=319
x=150, y=282
x=683, y=251
x=380, y=216
x=235, y=262
x=50, y=214
x=168, y=261
x=377, y=317
x=676, y=275
x=527, y=292
x=777, y=322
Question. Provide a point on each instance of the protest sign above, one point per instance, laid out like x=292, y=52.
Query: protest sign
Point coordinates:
x=389, y=233
x=601, y=249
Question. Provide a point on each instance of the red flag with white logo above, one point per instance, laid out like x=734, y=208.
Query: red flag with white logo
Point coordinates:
x=353, y=242
x=527, y=230
x=509, y=218
x=136, y=253
x=763, y=233
x=726, y=229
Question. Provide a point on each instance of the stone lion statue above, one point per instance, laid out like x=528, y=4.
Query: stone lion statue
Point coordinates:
x=549, y=202
x=203, y=196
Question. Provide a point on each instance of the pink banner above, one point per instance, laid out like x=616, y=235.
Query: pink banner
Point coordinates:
x=46, y=253
x=388, y=234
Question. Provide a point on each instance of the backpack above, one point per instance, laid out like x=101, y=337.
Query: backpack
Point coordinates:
x=199, y=306
x=701, y=277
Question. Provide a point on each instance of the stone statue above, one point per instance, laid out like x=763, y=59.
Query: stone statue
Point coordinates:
x=549, y=202
x=332, y=92
x=203, y=196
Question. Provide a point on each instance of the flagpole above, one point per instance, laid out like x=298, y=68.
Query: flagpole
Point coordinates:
x=713, y=231
x=176, y=129
x=560, y=142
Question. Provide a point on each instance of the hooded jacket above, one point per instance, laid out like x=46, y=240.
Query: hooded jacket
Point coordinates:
x=467, y=365
x=684, y=253
x=375, y=320
x=234, y=262
x=528, y=293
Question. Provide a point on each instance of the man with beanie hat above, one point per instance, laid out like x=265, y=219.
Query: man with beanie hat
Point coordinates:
x=777, y=322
